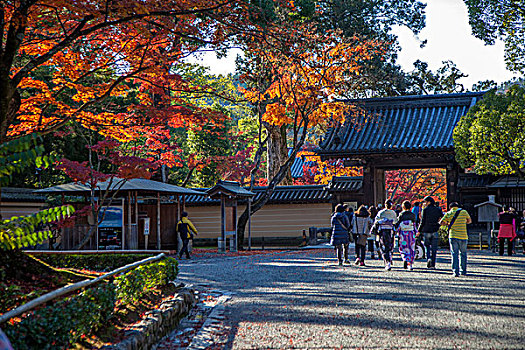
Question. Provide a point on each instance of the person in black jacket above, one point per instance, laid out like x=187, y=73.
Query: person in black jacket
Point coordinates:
x=429, y=227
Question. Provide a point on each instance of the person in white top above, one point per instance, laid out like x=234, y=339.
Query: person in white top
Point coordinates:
x=384, y=222
x=361, y=229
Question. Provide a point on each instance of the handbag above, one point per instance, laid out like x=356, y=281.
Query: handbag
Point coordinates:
x=362, y=238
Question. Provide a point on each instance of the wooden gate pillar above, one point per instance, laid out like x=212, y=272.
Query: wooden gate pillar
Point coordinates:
x=368, y=185
x=379, y=187
x=452, y=178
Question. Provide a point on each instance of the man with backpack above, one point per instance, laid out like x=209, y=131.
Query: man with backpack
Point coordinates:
x=186, y=230
x=457, y=220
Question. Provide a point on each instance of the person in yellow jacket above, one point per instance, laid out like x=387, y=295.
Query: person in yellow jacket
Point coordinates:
x=186, y=230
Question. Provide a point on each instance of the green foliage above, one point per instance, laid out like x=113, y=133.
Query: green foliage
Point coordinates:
x=95, y=262
x=373, y=20
x=24, y=231
x=132, y=285
x=444, y=80
x=496, y=19
x=491, y=136
x=18, y=154
x=61, y=324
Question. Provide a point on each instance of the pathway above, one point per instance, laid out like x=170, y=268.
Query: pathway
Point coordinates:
x=302, y=299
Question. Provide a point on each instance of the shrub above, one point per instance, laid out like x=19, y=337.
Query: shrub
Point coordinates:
x=95, y=262
x=59, y=325
x=134, y=284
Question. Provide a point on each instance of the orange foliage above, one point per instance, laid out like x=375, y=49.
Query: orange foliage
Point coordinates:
x=415, y=184
x=108, y=66
x=309, y=72
x=321, y=172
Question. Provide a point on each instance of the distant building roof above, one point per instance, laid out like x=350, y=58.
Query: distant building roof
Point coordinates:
x=345, y=184
x=143, y=185
x=399, y=124
x=474, y=181
x=508, y=182
x=282, y=194
x=230, y=188
x=16, y=194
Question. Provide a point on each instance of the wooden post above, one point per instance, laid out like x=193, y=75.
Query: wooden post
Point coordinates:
x=452, y=177
x=223, y=224
x=379, y=186
x=368, y=185
x=158, y=220
x=250, y=223
x=129, y=219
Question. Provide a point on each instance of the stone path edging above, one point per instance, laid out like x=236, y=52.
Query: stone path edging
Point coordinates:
x=157, y=323
x=206, y=336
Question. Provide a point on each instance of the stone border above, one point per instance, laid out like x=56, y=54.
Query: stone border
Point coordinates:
x=157, y=323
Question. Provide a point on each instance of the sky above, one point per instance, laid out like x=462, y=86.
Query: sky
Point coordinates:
x=449, y=37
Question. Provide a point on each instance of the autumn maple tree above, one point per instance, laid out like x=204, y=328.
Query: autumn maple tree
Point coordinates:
x=415, y=184
x=103, y=174
x=296, y=78
x=106, y=65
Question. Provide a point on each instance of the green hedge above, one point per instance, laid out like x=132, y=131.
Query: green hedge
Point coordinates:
x=62, y=324
x=59, y=325
x=132, y=285
x=96, y=262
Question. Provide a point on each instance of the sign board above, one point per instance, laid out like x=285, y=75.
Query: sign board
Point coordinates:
x=146, y=226
x=110, y=229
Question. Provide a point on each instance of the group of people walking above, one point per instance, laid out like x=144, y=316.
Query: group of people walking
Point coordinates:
x=409, y=224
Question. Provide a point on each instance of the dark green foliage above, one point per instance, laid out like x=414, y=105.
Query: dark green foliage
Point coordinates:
x=133, y=285
x=497, y=19
x=59, y=325
x=491, y=136
x=94, y=262
x=19, y=154
x=64, y=322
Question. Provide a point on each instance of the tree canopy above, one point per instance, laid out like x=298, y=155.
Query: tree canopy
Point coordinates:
x=491, y=136
x=501, y=19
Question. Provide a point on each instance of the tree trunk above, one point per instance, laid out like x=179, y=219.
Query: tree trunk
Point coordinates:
x=277, y=153
x=282, y=170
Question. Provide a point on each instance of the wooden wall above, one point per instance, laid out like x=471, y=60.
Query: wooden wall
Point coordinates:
x=272, y=221
x=10, y=209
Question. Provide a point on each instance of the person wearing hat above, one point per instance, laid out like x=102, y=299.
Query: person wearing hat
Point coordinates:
x=429, y=227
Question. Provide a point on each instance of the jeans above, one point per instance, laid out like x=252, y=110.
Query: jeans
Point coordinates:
x=458, y=248
x=371, y=244
x=360, y=251
x=431, y=247
x=342, y=251
x=184, y=249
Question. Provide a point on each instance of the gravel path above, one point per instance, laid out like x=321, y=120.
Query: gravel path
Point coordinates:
x=302, y=299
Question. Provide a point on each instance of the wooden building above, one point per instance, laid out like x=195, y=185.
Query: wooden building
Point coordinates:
x=146, y=214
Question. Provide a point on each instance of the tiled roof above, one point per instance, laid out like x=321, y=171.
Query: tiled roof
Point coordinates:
x=21, y=195
x=474, y=181
x=508, y=182
x=229, y=187
x=143, y=185
x=345, y=184
x=282, y=194
x=399, y=124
